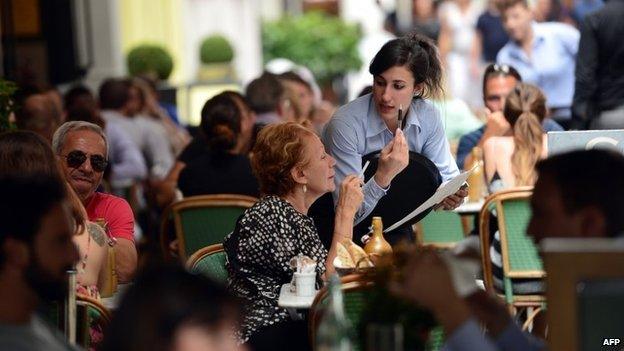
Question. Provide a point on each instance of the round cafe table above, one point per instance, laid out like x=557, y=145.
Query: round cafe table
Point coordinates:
x=470, y=208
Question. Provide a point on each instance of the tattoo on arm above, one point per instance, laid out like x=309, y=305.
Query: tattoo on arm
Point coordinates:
x=97, y=233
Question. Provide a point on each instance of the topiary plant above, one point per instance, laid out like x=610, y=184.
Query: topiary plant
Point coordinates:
x=150, y=59
x=215, y=49
x=7, y=106
x=326, y=45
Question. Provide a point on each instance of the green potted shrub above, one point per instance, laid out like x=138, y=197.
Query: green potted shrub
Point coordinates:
x=324, y=44
x=151, y=60
x=216, y=55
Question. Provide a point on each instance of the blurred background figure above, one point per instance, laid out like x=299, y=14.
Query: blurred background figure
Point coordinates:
x=25, y=154
x=498, y=82
x=36, y=251
x=178, y=137
x=599, y=93
x=37, y=113
x=301, y=94
x=490, y=37
x=170, y=309
x=224, y=167
x=551, y=11
x=266, y=97
x=510, y=159
x=543, y=53
x=127, y=164
x=458, y=19
x=582, y=8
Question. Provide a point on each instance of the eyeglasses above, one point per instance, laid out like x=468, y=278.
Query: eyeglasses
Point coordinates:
x=76, y=158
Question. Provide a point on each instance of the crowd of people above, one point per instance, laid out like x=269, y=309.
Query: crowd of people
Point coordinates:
x=87, y=176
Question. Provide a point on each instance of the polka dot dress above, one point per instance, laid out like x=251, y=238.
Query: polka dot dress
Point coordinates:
x=258, y=252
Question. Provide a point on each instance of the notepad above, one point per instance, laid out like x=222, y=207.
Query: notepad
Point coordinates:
x=445, y=190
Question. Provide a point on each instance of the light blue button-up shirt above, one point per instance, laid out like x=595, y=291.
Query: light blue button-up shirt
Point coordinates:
x=469, y=337
x=552, y=61
x=356, y=130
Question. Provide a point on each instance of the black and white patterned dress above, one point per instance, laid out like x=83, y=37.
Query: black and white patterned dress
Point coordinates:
x=259, y=250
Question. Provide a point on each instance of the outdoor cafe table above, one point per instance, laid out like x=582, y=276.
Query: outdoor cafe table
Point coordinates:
x=293, y=303
x=289, y=299
x=470, y=208
x=467, y=211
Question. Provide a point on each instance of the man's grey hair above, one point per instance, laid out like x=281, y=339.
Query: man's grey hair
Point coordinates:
x=58, y=140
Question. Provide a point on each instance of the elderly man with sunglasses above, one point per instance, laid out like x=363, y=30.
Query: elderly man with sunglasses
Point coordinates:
x=82, y=152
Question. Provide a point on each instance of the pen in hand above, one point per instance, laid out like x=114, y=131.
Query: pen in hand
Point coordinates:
x=400, y=126
x=364, y=169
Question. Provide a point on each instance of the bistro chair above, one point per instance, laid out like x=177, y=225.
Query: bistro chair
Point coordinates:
x=519, y=255
x=209, y=261
x=354, y=289
x=92, y=318
x=203, y=220
x=441, y=229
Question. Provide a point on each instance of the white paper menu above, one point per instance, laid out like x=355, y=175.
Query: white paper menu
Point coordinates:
x=445, y=190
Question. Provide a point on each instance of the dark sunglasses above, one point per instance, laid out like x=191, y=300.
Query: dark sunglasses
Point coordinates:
x=76, y=158
x=498, y=68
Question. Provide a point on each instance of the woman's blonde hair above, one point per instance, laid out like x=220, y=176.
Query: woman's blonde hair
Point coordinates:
x=525, y=109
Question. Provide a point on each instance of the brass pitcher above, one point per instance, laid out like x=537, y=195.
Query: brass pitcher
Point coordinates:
x=377, y=245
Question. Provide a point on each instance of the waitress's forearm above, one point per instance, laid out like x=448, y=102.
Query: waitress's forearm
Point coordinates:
x=372, y=194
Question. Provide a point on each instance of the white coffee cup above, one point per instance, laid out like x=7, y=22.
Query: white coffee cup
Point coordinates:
x=305, y=284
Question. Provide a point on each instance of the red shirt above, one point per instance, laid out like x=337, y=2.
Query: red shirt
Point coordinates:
x=115, y=211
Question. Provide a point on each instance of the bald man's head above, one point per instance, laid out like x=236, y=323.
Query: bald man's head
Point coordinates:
x=38, y=114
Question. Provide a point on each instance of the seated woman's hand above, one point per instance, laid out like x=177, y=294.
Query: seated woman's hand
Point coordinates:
x=393, y=159
x=351, y=195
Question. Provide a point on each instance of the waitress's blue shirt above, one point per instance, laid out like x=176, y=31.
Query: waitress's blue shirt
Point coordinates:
x=356, y=130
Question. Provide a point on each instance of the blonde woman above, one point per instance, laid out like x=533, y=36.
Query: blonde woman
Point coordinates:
x=510, y=162
x=510, y=159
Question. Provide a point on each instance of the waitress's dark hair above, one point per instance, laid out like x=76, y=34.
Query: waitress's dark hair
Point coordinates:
x=220, y=122
x=419, y=54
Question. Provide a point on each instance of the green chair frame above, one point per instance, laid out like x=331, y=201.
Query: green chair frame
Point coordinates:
x=441, y=229
x=209, y=261
x=89, y=309
x=519, y=255
x=202, y=220
x=354, y=289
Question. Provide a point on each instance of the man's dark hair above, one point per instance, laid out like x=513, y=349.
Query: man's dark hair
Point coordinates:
x=504, y=5
x=590, y=178
x=494, y=70
x=294, y=77
x=114, y=93
x=76, y=93
x=80, y=105
x=25, y=200
x=163, y=299
x=419, y=55
x=264, y=93
x=36, y=112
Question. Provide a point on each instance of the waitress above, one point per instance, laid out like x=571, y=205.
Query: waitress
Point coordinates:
x=406, y=72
